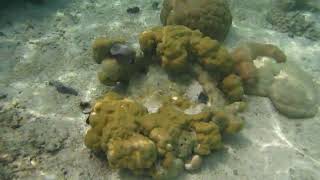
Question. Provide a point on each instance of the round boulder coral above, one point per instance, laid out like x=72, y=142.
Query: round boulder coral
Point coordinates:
x=211, y=17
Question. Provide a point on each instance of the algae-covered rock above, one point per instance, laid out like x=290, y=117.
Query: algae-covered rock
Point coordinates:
x=159, y=144
x=212, y=17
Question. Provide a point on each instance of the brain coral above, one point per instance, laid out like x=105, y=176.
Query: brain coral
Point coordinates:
x=211, y=17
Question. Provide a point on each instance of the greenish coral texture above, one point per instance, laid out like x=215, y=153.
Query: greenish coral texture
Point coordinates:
x=179, y=47
x=159, y=144
x=211, y=17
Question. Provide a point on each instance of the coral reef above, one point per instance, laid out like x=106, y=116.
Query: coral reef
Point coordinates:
x=212, y=17
x=159, y=144
x=295, y=23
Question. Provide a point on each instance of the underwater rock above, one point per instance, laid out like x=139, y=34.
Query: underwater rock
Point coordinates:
x=194, y=164
x=85, y=107
x=156, y=144
x=133, y=10
x=291, y=90
x=63, y=89
x=293, y=93
x=212, y=17
x=123, y=53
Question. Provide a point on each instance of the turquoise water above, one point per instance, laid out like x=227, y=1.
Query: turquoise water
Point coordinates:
x=48, y=80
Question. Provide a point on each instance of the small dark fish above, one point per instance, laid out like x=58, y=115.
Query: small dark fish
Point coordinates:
x=123, y=53
x=133, y=10
x=63, y=89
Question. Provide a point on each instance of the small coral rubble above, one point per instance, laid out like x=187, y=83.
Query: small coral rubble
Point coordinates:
x=159, y=144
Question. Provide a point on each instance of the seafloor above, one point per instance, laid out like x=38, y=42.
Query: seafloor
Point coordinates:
x=42, y=130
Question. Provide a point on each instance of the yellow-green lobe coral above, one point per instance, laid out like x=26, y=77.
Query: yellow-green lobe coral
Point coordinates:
x=228, y=122
x=208, y=137
x=233, y=88
x=114, y=131
x=179, y=47
x=157, y=144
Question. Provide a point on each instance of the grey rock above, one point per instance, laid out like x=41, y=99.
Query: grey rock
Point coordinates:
x=293, y=93
x=291, y=90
